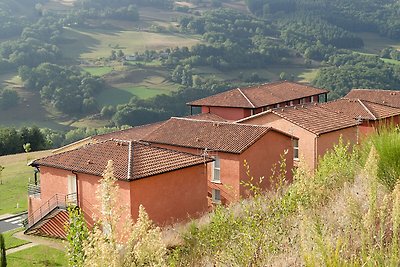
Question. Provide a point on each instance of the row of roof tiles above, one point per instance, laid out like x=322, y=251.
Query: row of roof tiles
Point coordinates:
x=260, y=95
x=385, y=97
x=132, y=160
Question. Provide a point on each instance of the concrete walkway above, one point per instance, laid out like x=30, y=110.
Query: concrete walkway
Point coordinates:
x=53, y=243
x=26, y=246
x=35, y=241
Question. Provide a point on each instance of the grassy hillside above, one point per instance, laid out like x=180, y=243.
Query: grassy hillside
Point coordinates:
x=15, y=178
x=89, y=47
x=345, y=214
x=97, y=42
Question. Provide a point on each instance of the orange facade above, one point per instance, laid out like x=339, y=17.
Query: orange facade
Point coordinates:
x=311, y=146
x=262, y=157
x=167, y=197
x=237, y=113
x=228, y=113
x=368, y=127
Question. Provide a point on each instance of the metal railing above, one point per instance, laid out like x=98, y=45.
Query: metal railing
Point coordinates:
x=71, y=199
x=59, y=201
x=33, y=189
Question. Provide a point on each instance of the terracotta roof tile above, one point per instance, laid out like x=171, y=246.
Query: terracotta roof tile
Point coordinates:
x=361, y=109
x=132, y=160
x=260, y=96
x=206, y=117
x=312, y=117
x=134, y=133
x=217, y=136
x=140, y=132
x=385, y=97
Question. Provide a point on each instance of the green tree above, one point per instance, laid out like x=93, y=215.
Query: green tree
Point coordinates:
x=3, y=260
x=1, y=178
x=8, y=99
x=106, y=244
x=77, y=233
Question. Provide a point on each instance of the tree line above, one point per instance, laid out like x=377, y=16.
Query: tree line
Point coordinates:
x=351, y=70
x=12, y=140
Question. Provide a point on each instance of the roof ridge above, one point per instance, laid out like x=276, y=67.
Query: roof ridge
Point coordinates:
x=366, y=108
x=248, y=100
x=233, y=89
x=124, y=130
x=219, y=122
x=380, y=104
x=371, y=89
x=63, y=152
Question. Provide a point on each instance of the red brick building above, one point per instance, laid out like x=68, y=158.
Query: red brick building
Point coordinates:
x=171, y=185
x=230, y=144
x=239, y=103
x=317, y=129
x=371, y=115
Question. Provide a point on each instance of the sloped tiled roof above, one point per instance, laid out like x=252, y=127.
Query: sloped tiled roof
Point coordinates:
x=140, y=132
x=134, y=133
x=361, y=109
x=314, y=118
x=206, y=117
x=132, y=160
x=216, y=136
x=260, y=96
x=385, y=97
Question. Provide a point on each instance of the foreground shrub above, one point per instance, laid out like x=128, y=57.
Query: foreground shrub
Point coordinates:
x=109, y=243
x=360, y=227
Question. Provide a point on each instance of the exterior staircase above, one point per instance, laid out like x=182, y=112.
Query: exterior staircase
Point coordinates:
x=50, y=218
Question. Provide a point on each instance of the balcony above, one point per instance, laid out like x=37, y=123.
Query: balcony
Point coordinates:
x=33, y=190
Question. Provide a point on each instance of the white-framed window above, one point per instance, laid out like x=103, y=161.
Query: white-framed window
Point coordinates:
x=216, y=196
x=296, y=149
x=291, y=103
x=311, y=99
x=278, y=105
x=216, y=170
x=302, y=101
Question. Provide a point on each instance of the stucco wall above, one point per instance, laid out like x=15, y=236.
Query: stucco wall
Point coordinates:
x=52, y=181
x=167, y=197
x=171, y=196
x=368, y=127
x=227, y=112
x=306, y=138
x=262, y=156
x=87, y=197
x=230, y=172
x=328, y=140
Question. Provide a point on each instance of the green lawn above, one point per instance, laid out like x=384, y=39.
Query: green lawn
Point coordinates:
x=12, y=242
x=37, y=256
x=374, y=43
x=97, y=43
x=98, y=71
x=301, y=73
x=15, y=179
x=122, y=93
x=391, y=61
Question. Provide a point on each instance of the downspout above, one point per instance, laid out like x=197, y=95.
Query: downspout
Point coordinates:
x=77, y=188
x=316, y=152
